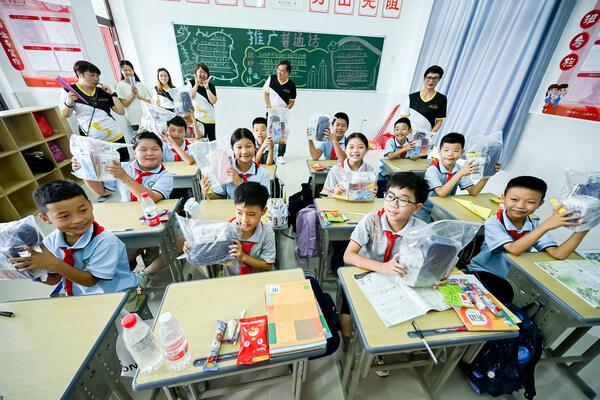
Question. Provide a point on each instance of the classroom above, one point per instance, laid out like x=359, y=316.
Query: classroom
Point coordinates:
x=107, y=103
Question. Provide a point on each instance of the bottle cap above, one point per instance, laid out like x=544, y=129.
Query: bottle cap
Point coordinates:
x=165, y=318
x=144, y=195
x=129, y=321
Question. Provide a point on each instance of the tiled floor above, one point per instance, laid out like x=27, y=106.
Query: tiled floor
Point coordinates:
x=323, y=381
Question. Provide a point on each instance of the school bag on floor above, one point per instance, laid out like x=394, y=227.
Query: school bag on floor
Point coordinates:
x=329, y=312
x=298, y=201
x=307, y=234
x=505, y=366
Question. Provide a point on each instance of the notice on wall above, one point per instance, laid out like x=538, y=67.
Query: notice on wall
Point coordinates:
x=41, y=40
x=576, y=93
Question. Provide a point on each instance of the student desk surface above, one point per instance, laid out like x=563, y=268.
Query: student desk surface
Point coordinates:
x=318, y=177
x=405, y=165
x=116, y=217
x=185, y=176
x=272, y=170
x=197, y=305
x=49, y=344
x=371, y=337
x=561, y=309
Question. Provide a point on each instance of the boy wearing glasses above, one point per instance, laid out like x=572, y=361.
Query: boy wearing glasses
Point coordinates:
x=427, y=108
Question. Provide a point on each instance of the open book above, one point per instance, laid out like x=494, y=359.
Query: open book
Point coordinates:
x=579, y=276
x=395, y=303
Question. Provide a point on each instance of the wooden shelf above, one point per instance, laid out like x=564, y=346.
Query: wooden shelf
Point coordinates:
x=28, y=145
x=13, y=186
x=54, y=137
x=64, y=163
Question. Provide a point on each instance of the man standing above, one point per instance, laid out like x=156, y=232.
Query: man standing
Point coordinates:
x=280, y=92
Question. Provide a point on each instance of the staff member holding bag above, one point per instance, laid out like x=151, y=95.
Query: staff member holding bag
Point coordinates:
x=204, y=96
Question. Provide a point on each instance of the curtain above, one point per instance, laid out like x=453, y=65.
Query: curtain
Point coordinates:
x=494, y=54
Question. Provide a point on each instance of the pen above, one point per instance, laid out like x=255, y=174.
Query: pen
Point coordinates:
x=457, y=329
x=198, y=362
x=414, y=324
x=120, y=230
x=7, y=314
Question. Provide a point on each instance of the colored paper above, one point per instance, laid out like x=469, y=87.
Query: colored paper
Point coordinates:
x=480, y=211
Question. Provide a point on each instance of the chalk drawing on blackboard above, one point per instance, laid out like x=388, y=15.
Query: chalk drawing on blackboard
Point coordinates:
x=317, y=77
x=350, y=66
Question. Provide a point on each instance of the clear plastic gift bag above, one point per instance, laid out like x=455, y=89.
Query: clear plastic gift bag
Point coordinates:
x=421, y=144
x=581, y=192
x=93, y=156
x=279, y=123
x=209, y=241
x=358, y=186
x=277, y=213
x=183, y=104
x=317, y=124
x=213, y=162
x=431, y=251
x=154, y=119
x=486, y=151
x=15, y=236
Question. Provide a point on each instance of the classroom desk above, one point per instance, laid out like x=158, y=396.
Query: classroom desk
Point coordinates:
x=405, y=165
x=370, y=337
x=53, y=347
x=561, y=309
x=355, y=210
x=222, y=298
x=318, y=177
x=185, y=176
x=119, y=216
x=272, y=170
x=452, y=210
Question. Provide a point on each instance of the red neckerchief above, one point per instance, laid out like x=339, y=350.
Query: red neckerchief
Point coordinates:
x=391, y=239
x=140, y=175
x=68, y=257
x=362, y=162
x=514, y=234
x=332, y=153
x=246, y=248
x=246, y=176
x=177, y=156
x=436, y=164
x=403, y=153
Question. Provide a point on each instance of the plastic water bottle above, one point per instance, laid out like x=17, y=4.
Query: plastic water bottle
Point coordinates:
x=149, y=209
x=140, y=342
x=174, y=343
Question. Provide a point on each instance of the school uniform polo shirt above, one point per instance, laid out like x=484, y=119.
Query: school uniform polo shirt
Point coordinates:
x=161, y=181
x=392, y=145
x=424, y=113
x=169, y=153
x=491, y=257
x=326, y=147
x=370, y=236
x=280, y=94
x=104, y=256
x=265, y=155
x=94, y=118
x=437, y=176
x=336, y=170
x=263, y=247
x=255, y=174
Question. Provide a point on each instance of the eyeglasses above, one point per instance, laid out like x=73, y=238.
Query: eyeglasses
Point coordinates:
x=432, y=78
x=401, y=201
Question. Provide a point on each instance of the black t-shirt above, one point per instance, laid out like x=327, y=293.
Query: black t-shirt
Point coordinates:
x=286, y=91
x=432, y=110
x=202, y=90
x=99, y=99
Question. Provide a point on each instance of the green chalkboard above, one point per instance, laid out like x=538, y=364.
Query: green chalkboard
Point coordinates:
x=246, y=57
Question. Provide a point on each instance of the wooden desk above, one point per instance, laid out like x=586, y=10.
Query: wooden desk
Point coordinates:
x=453, y=210
x=318, y=177
x=119, y=216
x=561, y=309
x=370, y=337
x=272, y=170
x=199, y=323
x=185, y=176
x=404, y=165
x=53, y=347
x=355, y=210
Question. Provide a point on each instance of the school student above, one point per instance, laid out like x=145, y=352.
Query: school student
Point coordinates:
x=513, y=231
x=255, y=252
x=93, y=112
x=332, y=148
x=204, y=97
x=400, y=145
x=131, y=94
x=175, y=147
x=81, y=254
x=264, y=143
x=244, y=169
x=160, y=94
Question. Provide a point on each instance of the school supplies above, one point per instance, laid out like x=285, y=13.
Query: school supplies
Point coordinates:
x=414, y=324
x=421, y=145
x=292, y=331
x=455, y=296
x=154, y=119
x=94, y=156
x=478, y=159
x=277, y=213
x=318, y=167
x=335, y=216
x=358, y=186
x=212, y=162
x=15, y=236
x=555, y=204
x=579, y=276
x=581, y=191
x=253, y=341
x=232, y=331
x=480, y=211
x=68, y=87
x=211, y=361
x=208, y=241
x=487, y=150
x=278, y=123
x=317, y=124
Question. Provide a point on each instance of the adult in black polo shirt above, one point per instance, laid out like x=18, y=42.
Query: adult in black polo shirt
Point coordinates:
x=280, y=92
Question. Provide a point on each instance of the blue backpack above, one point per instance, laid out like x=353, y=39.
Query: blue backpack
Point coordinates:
x=505, y=366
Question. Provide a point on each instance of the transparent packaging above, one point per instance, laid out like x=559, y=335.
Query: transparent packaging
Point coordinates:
x=581, y=192
x=278, y=124
x=487, y=147
x=154, y=119
x=15, y=236
x=213, y=162
x=93, y=156
x=317, y=124
x=208, y=240
x=358, y=186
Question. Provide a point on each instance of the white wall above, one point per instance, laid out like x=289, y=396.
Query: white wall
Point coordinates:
x=147, y=38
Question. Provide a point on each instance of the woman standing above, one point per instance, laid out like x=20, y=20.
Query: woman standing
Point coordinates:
x=204, y=96
x=161, y=96
x=131, y=91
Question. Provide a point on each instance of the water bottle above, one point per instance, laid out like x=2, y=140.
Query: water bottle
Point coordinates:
x=140, y=342
x=149, y=209
x=175, y=345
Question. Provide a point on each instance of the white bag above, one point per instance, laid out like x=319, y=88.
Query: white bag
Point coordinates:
x=93, y=156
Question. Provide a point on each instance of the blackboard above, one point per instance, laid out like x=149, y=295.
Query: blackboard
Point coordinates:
x=246, y=57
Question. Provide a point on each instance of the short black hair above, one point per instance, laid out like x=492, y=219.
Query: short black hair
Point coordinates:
x=453, y=138
x=288, y=65
x=56, y=191
x=83, y=66
x=145, y=135
x=413, y=182
x=528, y=182
x=436, y=69
x=123, y=63
x=251, y=194
x=259, y=121
x=563, y=86
x=177, y=121
x=360, y=136
x=343, y=116
x=403, y=120
x=242, y=133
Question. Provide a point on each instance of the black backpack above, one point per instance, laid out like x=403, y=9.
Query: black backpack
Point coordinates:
x=505, y=366
x=329, y=312
x=298, y=201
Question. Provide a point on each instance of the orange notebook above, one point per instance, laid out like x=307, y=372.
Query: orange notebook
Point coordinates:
x=293, y=319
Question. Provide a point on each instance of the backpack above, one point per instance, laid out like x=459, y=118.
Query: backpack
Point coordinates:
x=307, y=234
x=505, y=366
x=329, y=313
x=298, y=201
